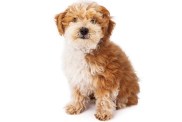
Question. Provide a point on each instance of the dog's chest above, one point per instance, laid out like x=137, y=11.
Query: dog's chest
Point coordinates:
x=77, y=70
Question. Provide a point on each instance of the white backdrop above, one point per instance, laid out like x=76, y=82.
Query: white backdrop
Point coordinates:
x=33, y=87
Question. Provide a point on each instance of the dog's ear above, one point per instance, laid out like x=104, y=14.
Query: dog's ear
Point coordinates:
x=109, y=24
x=110, y=27
x=59, y=22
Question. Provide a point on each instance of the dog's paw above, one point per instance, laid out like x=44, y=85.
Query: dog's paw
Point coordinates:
x=120, y=106
x=73, y=109
x=103, y=116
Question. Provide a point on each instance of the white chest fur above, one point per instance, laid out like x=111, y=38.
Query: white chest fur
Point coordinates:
x=77, y=70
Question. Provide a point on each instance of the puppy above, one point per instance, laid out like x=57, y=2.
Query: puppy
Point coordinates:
x=95, y=66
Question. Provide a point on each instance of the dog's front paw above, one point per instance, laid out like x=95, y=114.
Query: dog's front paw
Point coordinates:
x=103, y=116
x=74, y=109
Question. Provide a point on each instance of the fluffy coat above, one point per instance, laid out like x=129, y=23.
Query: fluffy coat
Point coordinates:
x=95, y=67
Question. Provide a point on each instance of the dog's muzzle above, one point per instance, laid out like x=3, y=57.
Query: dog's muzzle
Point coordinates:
x=84, y=33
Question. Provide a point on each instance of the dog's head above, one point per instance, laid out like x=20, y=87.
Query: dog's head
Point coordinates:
x=85, y=24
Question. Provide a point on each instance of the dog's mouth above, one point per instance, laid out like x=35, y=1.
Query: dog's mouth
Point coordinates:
x=84, y=36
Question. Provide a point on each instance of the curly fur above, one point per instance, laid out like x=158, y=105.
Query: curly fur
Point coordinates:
x=95, y=66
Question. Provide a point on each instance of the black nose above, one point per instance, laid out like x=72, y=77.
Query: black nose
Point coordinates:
x=84, y=31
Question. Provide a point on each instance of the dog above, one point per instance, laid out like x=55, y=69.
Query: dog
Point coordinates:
x=96, y=68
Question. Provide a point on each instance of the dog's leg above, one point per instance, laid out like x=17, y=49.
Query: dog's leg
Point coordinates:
x=128, y=91
x=78, y=103
x=105, y=105
x=123, y=100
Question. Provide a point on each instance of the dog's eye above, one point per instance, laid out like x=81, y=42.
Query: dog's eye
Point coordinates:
x=93, y=21
x=74, y=19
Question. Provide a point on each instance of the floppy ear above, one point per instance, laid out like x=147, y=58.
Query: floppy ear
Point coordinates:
x=59, y=22
x=110, y=27
x=109, y=24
